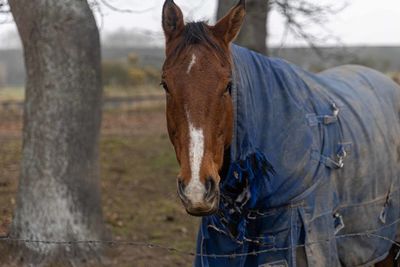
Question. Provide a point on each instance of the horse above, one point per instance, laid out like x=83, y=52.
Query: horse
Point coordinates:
x=285, y=167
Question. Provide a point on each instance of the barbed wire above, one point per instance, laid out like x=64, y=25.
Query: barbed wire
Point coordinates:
x=369, y=234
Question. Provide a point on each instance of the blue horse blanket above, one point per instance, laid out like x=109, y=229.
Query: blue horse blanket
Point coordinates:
x=314, y=168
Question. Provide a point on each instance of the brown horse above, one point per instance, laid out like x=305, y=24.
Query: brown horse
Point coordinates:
x=197, y=79
x=197, y=76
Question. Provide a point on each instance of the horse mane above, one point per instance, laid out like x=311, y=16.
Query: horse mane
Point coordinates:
x=198, y=33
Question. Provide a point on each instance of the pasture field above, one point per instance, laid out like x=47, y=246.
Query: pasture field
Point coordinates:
x=17, y=93
x=138, y=170
x=11, y=94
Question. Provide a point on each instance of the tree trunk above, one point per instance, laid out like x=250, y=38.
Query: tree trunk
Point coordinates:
x=254, y=30
x=58, y=196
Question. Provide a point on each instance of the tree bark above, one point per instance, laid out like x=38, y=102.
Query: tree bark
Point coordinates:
x=254, y=31
x=58, y=196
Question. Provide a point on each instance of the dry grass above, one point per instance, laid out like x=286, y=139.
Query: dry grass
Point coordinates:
x=138, y=170
x=12, y=94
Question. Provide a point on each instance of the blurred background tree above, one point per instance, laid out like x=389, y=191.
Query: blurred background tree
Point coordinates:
x=59, y=196
x=297, y=14
x=254, y=31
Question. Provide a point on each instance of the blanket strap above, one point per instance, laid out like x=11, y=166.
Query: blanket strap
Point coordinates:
x=338, y=161
x=314, y=119
x=327, y=161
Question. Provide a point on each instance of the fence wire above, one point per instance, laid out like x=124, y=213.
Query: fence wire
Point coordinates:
x=170, y=249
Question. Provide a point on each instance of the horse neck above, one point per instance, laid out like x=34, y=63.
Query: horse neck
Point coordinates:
x=268, y=110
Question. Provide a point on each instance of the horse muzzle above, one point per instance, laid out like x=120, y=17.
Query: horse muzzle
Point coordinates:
x=200, y=202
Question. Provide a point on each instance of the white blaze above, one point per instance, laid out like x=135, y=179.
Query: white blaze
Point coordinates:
x=195, y=189
x=192, y=62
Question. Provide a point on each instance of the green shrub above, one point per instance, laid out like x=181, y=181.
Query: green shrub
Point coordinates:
x=137, y=76
x=153, y=75
x=116, y=73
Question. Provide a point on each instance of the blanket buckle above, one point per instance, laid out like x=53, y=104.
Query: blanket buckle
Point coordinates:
x=252, y=214
x=339, y=224
x=329, y=119
x=315, y=119
x=382, y=215
x=342, y=154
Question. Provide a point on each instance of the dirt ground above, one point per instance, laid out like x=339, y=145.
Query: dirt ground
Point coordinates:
x=138, y=170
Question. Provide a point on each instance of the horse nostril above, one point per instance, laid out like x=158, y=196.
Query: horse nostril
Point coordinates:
x=181, y=190
x=210, y=188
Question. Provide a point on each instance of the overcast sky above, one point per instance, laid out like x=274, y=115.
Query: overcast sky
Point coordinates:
x=363, y=22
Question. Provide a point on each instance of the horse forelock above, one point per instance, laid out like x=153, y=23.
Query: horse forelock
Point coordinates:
x=195, y=35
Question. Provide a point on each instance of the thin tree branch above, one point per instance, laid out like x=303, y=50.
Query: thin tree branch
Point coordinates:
x=122, y=10
x=5, y=12
x=195, y=8
x=4, y=8
x=299, y=14
x=95, y=6
x=284, y=37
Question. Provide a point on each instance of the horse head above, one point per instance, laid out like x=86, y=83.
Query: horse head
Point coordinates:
x=197, y=78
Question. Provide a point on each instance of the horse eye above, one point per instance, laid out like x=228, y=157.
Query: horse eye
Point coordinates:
x=228, y=88
x=164, y=85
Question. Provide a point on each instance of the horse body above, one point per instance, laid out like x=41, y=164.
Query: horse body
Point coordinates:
x=310, y=172
x=314, y=167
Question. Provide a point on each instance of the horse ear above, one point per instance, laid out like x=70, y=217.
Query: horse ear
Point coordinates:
x=229, y=26
x=172, y=20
